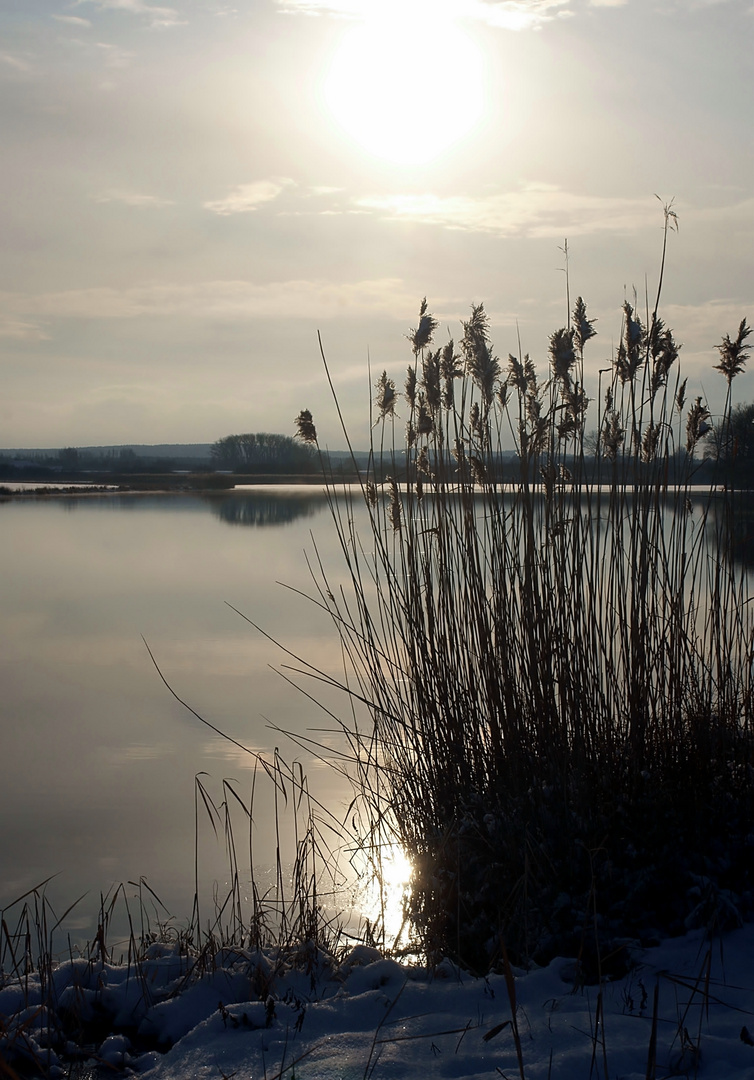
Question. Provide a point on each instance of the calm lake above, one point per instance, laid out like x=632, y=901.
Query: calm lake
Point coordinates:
x=98, y=759
x=98, y=762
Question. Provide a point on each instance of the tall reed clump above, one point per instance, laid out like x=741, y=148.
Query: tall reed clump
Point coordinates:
x=557, y=666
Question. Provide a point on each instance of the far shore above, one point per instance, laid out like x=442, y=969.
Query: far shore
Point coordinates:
x=190, y=484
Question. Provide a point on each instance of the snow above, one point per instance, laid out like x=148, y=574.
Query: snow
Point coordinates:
x=306, y=1015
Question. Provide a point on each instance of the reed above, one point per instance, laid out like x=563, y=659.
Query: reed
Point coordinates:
x=556, y=665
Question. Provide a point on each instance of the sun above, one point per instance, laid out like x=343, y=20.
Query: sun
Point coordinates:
x=406, y=84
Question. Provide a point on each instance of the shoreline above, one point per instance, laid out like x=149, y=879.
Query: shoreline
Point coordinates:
x=182, y=486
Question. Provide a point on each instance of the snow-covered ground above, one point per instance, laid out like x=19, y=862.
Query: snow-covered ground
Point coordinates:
x=257, y=1018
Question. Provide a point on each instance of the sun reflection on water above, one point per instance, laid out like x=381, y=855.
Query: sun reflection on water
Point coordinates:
x=383, y=894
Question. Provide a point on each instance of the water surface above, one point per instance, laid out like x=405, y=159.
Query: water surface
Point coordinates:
x=98, y=762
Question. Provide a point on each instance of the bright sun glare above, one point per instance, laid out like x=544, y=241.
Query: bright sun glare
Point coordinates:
x=384, y=905
x=406, y=83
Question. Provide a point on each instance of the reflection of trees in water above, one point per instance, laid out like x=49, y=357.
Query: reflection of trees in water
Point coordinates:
x=743, y=529
x=741, y=525
x=260, y=509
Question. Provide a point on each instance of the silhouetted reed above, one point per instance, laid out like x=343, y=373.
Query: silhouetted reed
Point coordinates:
x=558, y=671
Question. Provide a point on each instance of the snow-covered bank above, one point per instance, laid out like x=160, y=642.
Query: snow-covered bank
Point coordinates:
x=256, y=1016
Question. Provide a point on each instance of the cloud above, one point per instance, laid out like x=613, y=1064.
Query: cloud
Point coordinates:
x=20, y=330
x=248, y=197
x=115, y=57
x=15, y=62
x=72, y=20
x=505, y=14
x=347, y=8
x=132, y=198
x=219, y=300
x=158, y=16
x=536, y=210
x=512, y=14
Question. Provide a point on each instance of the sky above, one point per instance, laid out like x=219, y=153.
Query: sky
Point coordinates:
x=191, y=190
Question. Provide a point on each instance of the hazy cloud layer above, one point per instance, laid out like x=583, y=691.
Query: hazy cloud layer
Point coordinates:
x=248, y=197
x=504, y=14
x=536, y=210
x=182, y=208
x=157, y=16
x=210, y=300
x=705, y=323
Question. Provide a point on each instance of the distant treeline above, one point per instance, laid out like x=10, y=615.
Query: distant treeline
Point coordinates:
x=728, y=458
x=263, y=453
x=71, y=460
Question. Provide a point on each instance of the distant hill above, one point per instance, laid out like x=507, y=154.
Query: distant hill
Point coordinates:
x=159, y=450
x=195, y=452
